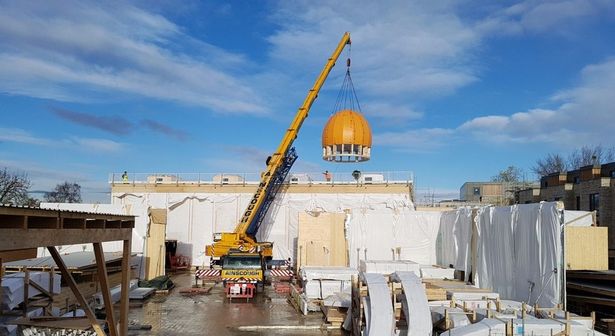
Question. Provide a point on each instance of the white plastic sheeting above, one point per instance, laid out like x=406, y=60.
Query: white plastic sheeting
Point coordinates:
x=518, y=248
x=519, y=252
x=455, y=239
x=378, y=225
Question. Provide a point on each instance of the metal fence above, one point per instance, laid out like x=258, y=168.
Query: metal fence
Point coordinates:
x=386, y=177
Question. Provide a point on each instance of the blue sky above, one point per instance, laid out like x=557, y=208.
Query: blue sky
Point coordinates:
x=454, y=90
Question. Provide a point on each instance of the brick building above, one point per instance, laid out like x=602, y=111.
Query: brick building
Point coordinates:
x=590, y=188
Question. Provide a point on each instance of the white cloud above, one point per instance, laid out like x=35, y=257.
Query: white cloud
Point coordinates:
x=97, y=145
x=535, y=16
x=21, y=136
x=417, y=140
x=403, y=47
x=392, y=113
x=74, y=51
x=87, y=144
x=583, y=115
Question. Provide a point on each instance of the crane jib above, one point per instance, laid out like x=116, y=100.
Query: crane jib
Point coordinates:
x=257, y=195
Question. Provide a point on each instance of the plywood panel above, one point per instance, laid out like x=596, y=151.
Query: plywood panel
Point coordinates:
x=321, y=240
x=156, y=236
x=587, y=248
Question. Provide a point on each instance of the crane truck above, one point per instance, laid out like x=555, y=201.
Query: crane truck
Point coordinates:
x=242, y=258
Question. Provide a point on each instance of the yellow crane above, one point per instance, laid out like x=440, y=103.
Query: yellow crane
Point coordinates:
x=242, y=258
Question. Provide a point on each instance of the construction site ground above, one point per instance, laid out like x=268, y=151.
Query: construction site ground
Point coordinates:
x=212, y=314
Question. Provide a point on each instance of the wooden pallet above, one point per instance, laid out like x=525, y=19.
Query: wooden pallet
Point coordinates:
x=334, y=315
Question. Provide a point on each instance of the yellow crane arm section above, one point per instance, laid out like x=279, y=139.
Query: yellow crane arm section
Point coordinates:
x=239, y=237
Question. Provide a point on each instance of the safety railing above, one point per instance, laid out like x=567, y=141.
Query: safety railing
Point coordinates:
x=383, y=177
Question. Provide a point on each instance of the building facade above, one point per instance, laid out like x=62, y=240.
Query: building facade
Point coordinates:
x=590, y=188
x=191, y=209
x=482, y=192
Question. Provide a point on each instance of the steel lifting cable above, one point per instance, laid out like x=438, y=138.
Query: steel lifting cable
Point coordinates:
x=347, y=96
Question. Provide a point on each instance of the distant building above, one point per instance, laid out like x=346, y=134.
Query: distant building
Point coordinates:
x=483, y=192
x=590, y=188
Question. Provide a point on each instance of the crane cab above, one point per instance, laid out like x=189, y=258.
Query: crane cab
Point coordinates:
x=242, y=273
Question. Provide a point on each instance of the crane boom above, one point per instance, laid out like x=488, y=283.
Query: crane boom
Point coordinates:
x=278, y=165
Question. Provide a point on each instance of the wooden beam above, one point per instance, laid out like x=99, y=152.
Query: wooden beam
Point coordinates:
x=41, y=289
x=14, y=239
x=125, y=285
x=73, y=286
x=593, y=300
x=1, y=275
x=26, y=291
x=104, y=287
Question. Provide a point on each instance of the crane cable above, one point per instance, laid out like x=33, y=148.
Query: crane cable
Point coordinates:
x=347, y=96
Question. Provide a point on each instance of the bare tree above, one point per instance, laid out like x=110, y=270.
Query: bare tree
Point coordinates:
x=587, y=155
x=510, y=174
x=550, y=164
x=65, y=193
x=13, y=187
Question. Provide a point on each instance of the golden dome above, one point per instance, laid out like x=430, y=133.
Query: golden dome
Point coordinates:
x=346, y=137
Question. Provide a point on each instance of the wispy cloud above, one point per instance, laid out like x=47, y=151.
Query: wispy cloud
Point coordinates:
x=553, y=17
x=22, y=136
x=46, y=178
x=165, y=129
x=113, y=124
x=87, y=144
x=97, y=145
x=77, y=51
x=422, y=48
x=117, y=125
x=250, y=159
x=393, y=114
x=417, y=140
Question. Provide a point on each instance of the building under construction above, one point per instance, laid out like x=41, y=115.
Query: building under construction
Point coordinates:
x=286, y=253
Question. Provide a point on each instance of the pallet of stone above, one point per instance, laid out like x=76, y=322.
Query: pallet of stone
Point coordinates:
x=387, y=267
x=434, y=293
x=437, y=272
x=303, y=304
x=334, y=315
x=16, y=286
x=456, y=289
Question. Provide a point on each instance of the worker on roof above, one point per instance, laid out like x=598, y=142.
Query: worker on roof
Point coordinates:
x=125, y=177
x=327, y=176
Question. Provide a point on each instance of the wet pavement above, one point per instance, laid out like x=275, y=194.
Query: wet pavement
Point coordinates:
x=212, y=314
